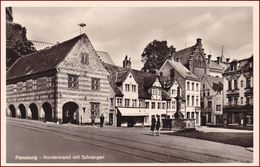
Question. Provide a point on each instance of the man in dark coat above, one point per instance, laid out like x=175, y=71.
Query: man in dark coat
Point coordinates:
x=153, y=124
x=102, y=120
x=158, y=124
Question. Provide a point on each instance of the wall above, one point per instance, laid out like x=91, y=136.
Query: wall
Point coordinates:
x=83, y=95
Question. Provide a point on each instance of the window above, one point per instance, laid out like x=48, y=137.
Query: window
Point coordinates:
x=134, y=102
x=15, y=87
x=29, y=85
x=241, y=100
x=242, y=83
x=209, y=104
x=84, y=58
x=111, y=101
x=230, y=85
x=73, y=81
x=133, y=88
x=236, y=99
x=119, y=101
x=49, y=82
x=95, y=84
x=173, y=90
x=140, y=103
x=168, y=104
x=188, y=100
x=192, y=86
x=248, y=82
x=230, y=101
x=127, y=87
x=197, y=87
x=94, y=109
x=192, y=115
x=153, y=105
x=188, y=115
x=202, y=104
x=203, y=86
x=159, y=105
x=159, y=92
x=192, y=100
x=235, y=84
x=19, y=86
x=127, y=102
x=35, y=84
x=147, y=104
x=188, y=85
x=163, y=105
x=203, y=94
x=153, y=91
x=197, y=101
x=218, y=107
x=247, y=100
x=208, y=93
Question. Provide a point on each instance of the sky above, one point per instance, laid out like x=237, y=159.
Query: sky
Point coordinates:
x=124, y=31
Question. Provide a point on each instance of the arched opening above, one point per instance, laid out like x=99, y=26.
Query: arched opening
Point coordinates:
x=47, y=111
x=22, y=111
x=34, y=111
x=13, y=111
x=69, y=112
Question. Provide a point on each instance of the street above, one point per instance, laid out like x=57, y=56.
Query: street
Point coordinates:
x=38, y=142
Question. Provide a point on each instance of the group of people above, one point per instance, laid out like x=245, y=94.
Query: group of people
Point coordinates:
x=155, y=125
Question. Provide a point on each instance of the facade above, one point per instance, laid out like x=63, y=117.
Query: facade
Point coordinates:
x=195, y=60
x=211, y=100
x=134, y=95
x=64, y=83
x=238, y=93
x=190, y=85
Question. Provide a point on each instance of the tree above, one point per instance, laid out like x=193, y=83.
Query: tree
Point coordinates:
x=17, y=44
x=155, y=54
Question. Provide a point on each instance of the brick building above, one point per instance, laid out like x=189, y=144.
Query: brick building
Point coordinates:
x=63, y=83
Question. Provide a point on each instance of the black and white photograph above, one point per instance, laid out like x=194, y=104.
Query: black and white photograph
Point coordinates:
x=130, y=83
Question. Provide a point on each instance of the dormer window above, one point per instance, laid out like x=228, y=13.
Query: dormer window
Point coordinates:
x=84, y=58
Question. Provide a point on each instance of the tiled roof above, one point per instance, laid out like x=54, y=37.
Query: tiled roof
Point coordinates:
x=182, y=70
x=105, y=57
x=220, y=66
x=144, y=80
x=243, y=64
x=42, y=60
x=184, y=54
x=38, y=45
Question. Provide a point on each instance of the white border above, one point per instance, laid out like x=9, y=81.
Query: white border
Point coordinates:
x=253, y=4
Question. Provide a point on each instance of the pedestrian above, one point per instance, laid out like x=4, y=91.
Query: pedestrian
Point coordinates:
x=102, y=120
x=158, y=125
x=92, y=120
x=153, y=124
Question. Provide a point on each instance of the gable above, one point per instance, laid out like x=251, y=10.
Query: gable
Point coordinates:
x=157, y=83
x=74, y=59
x=130, y=79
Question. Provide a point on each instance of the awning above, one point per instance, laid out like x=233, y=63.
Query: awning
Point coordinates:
x=132, y=111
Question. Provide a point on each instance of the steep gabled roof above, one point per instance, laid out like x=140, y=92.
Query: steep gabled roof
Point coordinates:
x=42, y=60
x=213, y=80
x=243, y=64
x=182, y=70
x=105, y=57
x=184, y=54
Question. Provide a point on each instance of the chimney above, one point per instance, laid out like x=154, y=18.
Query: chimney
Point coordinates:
x=161, y=74
x=178, y=59
x=198, y=41
x=209, y=59
x=227, y=60
x=128, y=63
x=218, y=59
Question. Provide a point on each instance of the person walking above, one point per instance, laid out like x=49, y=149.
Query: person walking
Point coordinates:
x=158, y=125
x=153, y=124
x=102, y=120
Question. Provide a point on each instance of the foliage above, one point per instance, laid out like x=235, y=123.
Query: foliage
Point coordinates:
x=218, y=87
x=17, y=44
x=155, y=54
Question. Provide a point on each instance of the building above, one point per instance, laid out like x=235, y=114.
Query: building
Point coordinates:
x=238, y=93
x=134, y=95
x=63, y=83
x=190, y=85
x=211, y=100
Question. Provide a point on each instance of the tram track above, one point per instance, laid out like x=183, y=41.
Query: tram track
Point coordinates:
x=128, y=146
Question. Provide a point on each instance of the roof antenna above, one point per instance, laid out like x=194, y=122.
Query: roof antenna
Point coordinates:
x=80, y=26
